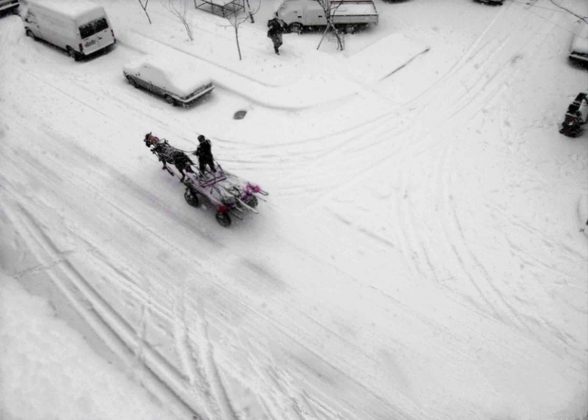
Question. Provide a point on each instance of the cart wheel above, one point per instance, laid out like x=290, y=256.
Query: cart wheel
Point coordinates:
x=223, y=219
x=252, y=201
x=191, y=198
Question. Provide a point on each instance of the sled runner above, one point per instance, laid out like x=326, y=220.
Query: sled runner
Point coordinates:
x=231, y=195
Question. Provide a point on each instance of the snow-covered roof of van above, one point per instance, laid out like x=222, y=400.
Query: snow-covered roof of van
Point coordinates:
x=72, y=8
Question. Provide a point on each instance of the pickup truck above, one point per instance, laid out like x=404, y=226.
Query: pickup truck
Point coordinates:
x=349, y=14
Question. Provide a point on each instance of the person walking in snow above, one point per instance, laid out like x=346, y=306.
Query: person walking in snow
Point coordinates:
x=276, y=28
x=204, y=153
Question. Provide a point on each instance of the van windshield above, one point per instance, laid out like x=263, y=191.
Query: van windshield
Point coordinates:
x=93, y=27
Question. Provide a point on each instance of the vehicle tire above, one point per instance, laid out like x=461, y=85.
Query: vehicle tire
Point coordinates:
x=30, y=33
x=132, y=82
x=73, y=54
x=296, y=27
x=223, y=219
x=252, y=201
x=191, y=197
x=169, y=100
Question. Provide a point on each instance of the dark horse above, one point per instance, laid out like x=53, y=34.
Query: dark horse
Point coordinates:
x=166, y=153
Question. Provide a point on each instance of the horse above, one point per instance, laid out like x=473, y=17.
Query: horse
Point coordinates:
x=166, y=153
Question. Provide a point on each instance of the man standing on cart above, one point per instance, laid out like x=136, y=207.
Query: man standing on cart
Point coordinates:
x=204, y=153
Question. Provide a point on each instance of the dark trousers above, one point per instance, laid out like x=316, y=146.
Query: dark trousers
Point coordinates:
x=277, y=40
x=203, y=162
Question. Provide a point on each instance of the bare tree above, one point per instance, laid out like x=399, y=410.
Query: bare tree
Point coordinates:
x=144, y=4
x=236, y=19
x=329, y=10
x=179, y=9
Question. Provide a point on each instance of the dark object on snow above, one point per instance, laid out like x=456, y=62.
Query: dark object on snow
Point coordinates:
x=576, y=116
x=239, y=115
x=276, y=27
x=204, y=153
x=169, y=154
x=491, y=2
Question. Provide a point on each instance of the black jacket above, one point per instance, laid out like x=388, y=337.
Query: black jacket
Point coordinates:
x=276, y=26
x=204, y=150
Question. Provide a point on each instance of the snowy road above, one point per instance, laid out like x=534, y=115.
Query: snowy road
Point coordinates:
x=419, y=256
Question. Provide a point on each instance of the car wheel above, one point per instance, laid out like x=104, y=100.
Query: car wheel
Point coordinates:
x=73, y=54
x=296, y=27
x=169, y=100
x=132, y=81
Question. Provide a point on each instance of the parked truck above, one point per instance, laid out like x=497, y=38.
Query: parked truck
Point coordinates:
x=347, y=14
x=79, y=27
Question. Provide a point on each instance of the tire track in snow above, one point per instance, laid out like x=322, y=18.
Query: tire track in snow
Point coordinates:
x=95, y=165
x=115, y=332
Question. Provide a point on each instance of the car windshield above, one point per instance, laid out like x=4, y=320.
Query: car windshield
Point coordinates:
x=93, y=27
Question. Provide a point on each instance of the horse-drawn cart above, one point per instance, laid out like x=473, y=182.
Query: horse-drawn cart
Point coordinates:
x=230, y=195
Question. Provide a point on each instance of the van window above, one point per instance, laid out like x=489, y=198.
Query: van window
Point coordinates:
x=93, y=27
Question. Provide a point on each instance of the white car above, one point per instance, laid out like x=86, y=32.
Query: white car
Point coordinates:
x=579, y=47
x=179, y=83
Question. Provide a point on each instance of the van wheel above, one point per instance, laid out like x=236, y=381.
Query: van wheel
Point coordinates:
x=169, y=100
x=30, y=33
x=296, y=27
x=73, y=54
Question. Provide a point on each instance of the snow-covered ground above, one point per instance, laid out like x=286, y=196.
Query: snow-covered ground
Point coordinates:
x=422, y=253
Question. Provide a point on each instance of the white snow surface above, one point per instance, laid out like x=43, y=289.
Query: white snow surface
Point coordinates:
x=48, y=370
x=422, y=253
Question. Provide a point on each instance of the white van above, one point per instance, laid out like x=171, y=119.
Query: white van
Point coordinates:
x=78, y=26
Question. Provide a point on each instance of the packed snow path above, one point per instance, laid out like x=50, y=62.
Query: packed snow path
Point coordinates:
x=419, y=258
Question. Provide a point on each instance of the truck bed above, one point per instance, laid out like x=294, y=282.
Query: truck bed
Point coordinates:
x=348, y=11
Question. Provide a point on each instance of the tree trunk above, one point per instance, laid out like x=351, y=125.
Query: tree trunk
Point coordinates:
x=237, y=39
